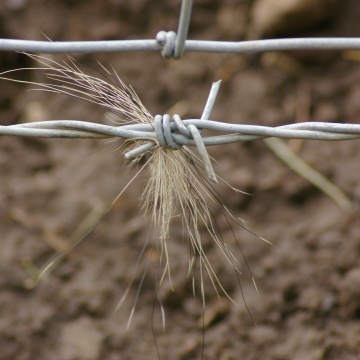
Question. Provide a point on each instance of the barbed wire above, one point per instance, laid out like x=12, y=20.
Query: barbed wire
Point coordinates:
x=173, y=45
x=165, y=42
x=237, y=132
x=175, y=132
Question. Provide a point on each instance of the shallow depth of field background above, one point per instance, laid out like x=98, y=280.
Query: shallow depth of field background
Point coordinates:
x=309, y=280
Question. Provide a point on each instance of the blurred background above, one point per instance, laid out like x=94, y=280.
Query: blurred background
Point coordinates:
x=53, y=190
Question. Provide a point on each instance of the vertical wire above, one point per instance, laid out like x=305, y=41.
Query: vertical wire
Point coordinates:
x=183, y=28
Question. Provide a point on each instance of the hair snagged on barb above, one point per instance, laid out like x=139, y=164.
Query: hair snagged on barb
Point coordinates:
x=176, y=187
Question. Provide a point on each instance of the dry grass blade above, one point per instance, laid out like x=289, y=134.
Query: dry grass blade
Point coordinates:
x=279, y=148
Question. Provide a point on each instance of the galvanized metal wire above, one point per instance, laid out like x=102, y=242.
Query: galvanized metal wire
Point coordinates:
x=167, y=40
x=234, y=132
x=177, y=133
x=174, y=132
x=173, y=45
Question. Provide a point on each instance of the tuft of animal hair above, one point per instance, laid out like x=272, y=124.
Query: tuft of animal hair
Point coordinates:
x=176, y=187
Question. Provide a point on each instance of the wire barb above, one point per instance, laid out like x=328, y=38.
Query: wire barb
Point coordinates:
x=184, y=21
x=173, y=44
x=164, y=134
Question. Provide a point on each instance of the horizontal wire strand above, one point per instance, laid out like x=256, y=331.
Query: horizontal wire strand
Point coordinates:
x=236, y=132
x=65, y=47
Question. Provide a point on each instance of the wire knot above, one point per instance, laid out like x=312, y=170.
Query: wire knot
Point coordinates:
x=164, y=131
x=167, y=40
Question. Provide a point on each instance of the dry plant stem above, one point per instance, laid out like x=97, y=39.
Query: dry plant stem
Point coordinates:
x=94, y=216
x=176, y=188
x=295, y=163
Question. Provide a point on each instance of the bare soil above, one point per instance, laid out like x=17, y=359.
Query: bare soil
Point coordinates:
x=309, y=279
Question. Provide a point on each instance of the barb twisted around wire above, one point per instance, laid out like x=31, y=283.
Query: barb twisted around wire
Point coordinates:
x=167, y=42
x=165, y=138
x=173, y=45
x=164, y=132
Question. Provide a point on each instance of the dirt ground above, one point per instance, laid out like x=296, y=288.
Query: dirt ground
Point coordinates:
x=308, y=305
